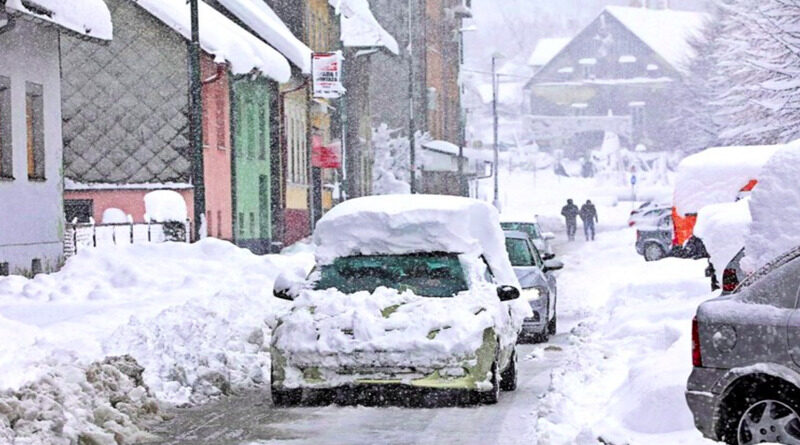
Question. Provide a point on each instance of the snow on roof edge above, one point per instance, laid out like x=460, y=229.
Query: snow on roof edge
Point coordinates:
x=262, y=19
x=86, y=18
x=226, y=40
x=360, y=28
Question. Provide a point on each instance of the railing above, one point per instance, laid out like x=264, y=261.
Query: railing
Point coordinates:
x=83, y=235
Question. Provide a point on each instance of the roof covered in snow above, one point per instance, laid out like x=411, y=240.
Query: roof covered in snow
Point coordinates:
x=666, y=31
x=401, y=224
x=718, y=174
x=88, y=18
x=222, y=38
x=546, y=49
x=262, y=19
x=360, y=29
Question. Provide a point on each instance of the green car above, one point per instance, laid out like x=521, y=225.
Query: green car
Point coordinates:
x=374, y=318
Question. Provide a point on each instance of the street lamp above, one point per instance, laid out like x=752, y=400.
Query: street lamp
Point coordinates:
x=496, y=201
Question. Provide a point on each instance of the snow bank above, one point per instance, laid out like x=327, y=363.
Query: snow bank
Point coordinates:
x=86, y=17
x=717, y=175
x=113, y=215
x=165, y=205
x=222, y=38
x=775, y=206
x=359, y=27
x=194, y=315
x=628, y=357
x=398, y=224
x=723, y=227
x=105, y=403
x=262, y=19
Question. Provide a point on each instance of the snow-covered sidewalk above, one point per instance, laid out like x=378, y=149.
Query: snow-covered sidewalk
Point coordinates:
x=628, y=344
x=195, y=317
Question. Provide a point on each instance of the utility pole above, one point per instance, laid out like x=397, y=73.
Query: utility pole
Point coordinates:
x=196, y=123
x=496, y=201
x=411, y=124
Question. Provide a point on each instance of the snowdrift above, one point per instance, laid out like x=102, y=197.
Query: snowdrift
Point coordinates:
x=195, y=316
x=723, y=228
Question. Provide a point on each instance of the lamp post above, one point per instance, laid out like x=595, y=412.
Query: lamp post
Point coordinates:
x=411, y=124
x=196, y=123
x=496, y=201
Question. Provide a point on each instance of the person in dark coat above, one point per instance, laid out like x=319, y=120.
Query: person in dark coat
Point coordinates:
x=589, y=218
x=570, y=213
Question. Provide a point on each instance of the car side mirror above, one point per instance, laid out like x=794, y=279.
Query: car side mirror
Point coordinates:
x=548, y=236
x=507, y=293
x=548, y=256
x=551, y=265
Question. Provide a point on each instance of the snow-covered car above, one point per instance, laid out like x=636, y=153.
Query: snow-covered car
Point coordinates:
x=409, y=292
x=539, y=286
x=744, y=385
x=531, y=227
x=654, y=239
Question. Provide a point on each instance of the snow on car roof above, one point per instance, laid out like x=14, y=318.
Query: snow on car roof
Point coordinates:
x=723, y=227
x=401, y=224
x=222, y=38
x=775, y=207
x=717, y=175
x=89, y=18
x=514, y=217
x=262, y=19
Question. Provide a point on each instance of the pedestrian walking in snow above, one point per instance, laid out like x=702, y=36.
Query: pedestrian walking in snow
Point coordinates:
x=570, y=213
x=589, y=218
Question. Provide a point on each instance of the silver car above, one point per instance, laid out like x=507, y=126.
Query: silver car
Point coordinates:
x=745, y=386
x=538, y=283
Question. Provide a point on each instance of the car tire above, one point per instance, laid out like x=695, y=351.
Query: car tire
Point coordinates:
x=732, y=427
x=653, y=252
x=508, y=379
x=552, y=325
x=492, y=396
x=286, y=397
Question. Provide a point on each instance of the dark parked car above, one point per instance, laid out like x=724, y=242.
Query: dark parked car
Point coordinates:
x=746, y=355
x=654, y=239
x=538, y=283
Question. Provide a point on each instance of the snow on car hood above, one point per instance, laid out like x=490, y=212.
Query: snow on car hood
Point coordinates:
x=330, y=329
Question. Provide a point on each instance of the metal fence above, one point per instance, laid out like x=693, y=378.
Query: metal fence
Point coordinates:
x=83, y=235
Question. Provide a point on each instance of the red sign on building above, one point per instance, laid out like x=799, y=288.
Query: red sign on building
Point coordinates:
x=325, y=156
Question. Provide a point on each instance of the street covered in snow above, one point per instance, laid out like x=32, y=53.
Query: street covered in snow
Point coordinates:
x=357, y=222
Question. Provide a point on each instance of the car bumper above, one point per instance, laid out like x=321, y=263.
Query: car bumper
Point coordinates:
x=465, y=373
x=536, y=324
x=703, y=402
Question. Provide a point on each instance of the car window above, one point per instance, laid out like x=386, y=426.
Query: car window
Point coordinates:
x=529, y=229
x=428, y=274
x=519, y=252
x=776, y=284
x=536, y=257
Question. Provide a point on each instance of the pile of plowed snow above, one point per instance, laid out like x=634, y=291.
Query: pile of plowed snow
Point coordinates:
x=194, y=316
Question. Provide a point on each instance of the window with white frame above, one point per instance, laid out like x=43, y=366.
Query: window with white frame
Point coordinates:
x=297, y=145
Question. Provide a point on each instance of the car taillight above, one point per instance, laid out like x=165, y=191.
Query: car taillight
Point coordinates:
x=697, y=359
x=729, y=280
x=631, y=223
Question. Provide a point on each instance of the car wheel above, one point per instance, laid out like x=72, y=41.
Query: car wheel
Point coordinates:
x=492, y=396
x=508, y=379
x=551, y=327
x=286, y=397
x=653, y=252
x=769, y=420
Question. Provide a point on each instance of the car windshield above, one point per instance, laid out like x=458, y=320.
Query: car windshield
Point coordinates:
x=426, y=274
x=518, y=252
x=529, y=228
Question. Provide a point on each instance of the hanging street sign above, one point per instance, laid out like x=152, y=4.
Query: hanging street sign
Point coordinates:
x=326, y=73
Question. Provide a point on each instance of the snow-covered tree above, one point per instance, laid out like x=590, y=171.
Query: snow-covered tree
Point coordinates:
x=392, y=167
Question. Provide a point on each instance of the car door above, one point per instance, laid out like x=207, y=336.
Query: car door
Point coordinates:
x=545, y=278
